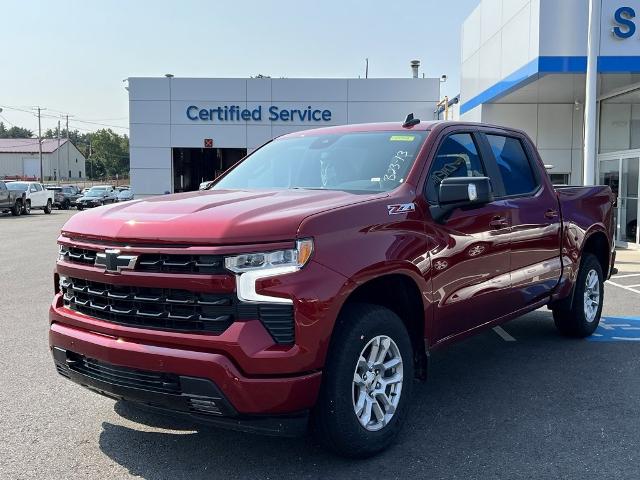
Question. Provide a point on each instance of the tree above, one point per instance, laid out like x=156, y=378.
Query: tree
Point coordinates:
x=109, y=153
x=14, y=132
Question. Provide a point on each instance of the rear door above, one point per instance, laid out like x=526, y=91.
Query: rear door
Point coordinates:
x=470, y=262
x=534, y=216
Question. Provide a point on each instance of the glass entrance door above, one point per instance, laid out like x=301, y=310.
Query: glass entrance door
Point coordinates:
x=622, y=175
x=628, y=200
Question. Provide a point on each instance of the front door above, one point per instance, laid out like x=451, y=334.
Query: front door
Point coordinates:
x=4, y=196
x=470, y=262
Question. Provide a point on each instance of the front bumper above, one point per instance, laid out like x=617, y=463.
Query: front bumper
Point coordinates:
x=197, y=399
x=210, y=387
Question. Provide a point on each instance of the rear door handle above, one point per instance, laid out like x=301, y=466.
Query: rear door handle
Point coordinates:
x=498, y=222
x=551, y=213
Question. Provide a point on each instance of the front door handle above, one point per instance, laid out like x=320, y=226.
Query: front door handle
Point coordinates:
x=498, y=222
x=551, y=214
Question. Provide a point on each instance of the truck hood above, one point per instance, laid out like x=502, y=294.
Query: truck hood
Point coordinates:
x=210, y=217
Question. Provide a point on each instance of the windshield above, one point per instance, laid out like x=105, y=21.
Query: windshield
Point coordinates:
x=362, y=161
x=18, y=186
x=95, y=192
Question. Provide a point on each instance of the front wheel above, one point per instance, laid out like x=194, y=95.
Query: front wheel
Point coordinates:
x=48, y=207
x=65, y=205
x=584, y=316
x=26, y=209
x=366, y=385
x=80, y=207
x=17, y=208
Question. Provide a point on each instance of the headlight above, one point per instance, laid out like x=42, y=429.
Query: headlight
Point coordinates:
x=296, y=257
x=251, y=267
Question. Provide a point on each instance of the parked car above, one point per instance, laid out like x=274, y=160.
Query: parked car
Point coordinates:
x=11, y=200
x=124, y=195
x=36, y=196
x=314, y=289
x=96, y=197
x=65, y=196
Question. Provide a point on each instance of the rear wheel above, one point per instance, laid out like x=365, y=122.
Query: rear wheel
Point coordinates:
x=65, y=205
x=367, y=382
x=26, y=209
x=584, y=316
x=17, y=208
x=48, y=207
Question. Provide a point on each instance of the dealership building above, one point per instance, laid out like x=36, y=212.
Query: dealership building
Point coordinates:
x=188, y=130
x=524, y=64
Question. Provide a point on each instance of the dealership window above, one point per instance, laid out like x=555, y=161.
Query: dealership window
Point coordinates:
x=69, y=173
x=80, y=174
x=559, y=178
x=620, y=122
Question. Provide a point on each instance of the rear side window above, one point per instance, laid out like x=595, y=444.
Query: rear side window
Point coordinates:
x=514, y=165
x=456, y=157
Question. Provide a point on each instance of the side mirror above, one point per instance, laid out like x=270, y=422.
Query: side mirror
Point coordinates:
x=461, y=192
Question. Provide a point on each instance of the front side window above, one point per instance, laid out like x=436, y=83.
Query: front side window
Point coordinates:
x=38, y=187
x=513, y=163
x=357, y=162
x=456, y=157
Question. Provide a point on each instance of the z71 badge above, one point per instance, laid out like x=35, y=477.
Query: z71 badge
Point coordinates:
x=401, y=208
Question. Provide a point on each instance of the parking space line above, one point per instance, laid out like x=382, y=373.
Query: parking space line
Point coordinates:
x=505, y=336
x=634, y=286
x=628, y=275
x=623, y=286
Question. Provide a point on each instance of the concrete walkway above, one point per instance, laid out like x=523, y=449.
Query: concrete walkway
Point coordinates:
x=628, y=260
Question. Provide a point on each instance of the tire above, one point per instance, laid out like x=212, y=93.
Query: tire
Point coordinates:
x=48, y=207
x=80, y=207
x=335, y=422
x=17, y=208
x=65, y=205
x=26, y=209
x=584, y=316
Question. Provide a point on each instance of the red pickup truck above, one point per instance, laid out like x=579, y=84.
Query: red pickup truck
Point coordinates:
x=308, y=285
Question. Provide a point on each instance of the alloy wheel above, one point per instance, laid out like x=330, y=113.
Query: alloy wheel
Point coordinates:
x=591, y=295
x=377, y=383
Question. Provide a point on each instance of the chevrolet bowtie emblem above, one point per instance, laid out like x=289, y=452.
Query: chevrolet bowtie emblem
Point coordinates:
x=113, y=262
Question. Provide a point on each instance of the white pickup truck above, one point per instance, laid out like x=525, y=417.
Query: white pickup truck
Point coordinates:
x=37, y=197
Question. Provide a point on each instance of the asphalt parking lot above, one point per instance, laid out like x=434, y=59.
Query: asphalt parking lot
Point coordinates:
x=521, y=402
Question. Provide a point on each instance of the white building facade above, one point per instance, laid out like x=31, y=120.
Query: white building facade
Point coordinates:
x=187, y=130
x=524, y=65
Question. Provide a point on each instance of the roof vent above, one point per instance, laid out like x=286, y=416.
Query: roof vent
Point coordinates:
x=410, y=121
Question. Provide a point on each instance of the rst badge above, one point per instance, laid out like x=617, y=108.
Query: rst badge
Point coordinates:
x=401, y=208
x=113, y=262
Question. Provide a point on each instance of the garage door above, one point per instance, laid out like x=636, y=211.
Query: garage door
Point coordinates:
x=31, y=167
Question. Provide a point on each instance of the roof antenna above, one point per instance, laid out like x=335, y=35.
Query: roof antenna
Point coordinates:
x=410, y=121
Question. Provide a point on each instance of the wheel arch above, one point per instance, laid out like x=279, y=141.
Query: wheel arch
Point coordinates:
x=400, y=293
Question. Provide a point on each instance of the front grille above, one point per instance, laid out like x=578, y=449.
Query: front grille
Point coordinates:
x=156, y=308
x=123, y=376
x=157, y=263
x=206, y=264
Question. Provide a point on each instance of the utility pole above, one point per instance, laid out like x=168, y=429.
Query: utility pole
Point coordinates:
x=68, y=149
x=40, y=144
x=58, y=155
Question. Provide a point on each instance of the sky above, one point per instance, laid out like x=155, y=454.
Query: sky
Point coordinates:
x=71, y=56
